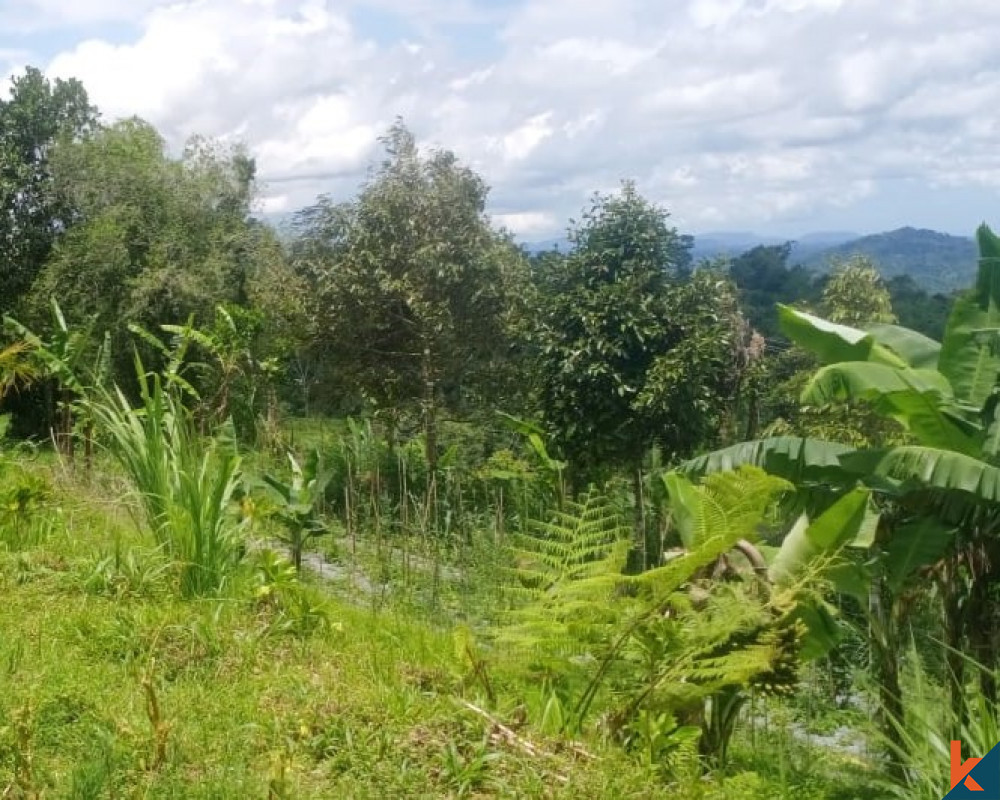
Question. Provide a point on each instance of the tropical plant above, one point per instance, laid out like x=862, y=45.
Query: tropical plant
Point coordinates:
x=670, y=641
x=185, y=483
x=68, y=356
x=299, y=499
x=17, y=368
x=939, y=491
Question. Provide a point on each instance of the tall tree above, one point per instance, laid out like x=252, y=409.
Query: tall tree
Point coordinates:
x=154, y=239
x=413, y=287
x=630, y=353
x=764, y=278
x=37, y=115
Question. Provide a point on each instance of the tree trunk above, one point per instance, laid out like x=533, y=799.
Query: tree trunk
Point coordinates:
x=885, y=669
x=88, y=447
x=954, y=635
x=639, y=521
x=430, y=417
x=979, y=625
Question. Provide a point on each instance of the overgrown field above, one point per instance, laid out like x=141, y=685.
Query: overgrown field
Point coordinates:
x=114, y=686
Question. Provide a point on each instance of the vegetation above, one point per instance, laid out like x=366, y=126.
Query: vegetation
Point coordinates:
x=936, y=261
x=383, y=506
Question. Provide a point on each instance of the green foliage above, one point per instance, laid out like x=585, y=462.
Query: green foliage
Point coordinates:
x=36, y=116
x=939, y=490
x=158, y=239
x=128, y=574
x=289, y=607
x=185, y=483
x=237, y=377
x=412, y=290
x=298, y=502
x=764, y=279
x=931, y=724
x=796, y=459
x=629, y=352
x=567, y=569
x=643, y=644
x=24, y=501
x=809, y=544
x=855, y=294
x=917, y=310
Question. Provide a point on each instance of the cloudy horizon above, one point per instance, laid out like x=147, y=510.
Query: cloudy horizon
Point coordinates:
x=778, y=117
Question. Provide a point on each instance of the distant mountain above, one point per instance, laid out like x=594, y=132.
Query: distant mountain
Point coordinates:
x=937, y=261
x=728, y=244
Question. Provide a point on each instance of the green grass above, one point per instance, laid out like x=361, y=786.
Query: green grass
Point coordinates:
x=364, y=703
x=365, y=707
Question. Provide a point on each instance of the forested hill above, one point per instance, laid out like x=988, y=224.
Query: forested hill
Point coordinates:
x=937, y=261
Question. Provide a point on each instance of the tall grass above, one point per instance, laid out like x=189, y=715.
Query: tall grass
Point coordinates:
x=185, y=483
x=925, y=737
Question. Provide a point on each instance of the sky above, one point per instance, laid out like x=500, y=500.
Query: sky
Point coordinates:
x=779, y=117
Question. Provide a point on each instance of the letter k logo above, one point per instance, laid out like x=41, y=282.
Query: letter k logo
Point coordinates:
x=960, y=771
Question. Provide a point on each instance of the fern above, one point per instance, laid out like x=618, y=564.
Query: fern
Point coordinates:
x=570, y=564
x=649, y=641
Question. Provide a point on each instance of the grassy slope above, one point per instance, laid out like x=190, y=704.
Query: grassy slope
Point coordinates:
x=369, y=707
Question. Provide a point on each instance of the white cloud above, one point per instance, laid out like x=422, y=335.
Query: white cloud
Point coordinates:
x=742, y=113
x=525, y=139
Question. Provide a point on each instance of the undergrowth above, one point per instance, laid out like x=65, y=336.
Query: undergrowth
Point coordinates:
x=117, y=685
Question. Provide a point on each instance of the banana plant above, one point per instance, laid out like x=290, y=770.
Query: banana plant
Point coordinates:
x=943, y=486
x=298, y=501
x=67, y=355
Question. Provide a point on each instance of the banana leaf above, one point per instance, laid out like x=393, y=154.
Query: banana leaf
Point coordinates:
x=920, y=400
x=833, y=343
x=910, y=468
x=812, y=546
x=796, y=459
x=970, y=353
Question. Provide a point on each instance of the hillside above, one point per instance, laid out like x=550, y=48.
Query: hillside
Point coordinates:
x=937, y=261
x=726, y=244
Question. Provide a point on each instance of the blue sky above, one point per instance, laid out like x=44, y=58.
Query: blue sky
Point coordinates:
x=774, y=116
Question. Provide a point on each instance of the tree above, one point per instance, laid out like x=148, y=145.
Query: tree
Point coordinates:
x=855, y=293
x=155, y=240
x=33, y=212
x=764, y=279
x=629, y=354
x=925, y=313
x=413, y=289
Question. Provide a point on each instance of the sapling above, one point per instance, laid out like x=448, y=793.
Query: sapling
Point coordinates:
x=298, y=503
